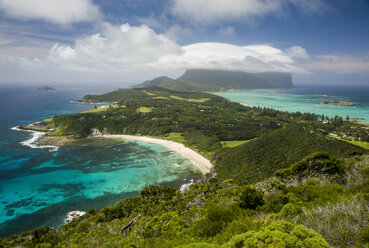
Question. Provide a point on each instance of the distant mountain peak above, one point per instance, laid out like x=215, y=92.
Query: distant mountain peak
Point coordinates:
x=215, y=80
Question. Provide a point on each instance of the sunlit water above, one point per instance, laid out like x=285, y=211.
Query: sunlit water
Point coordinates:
x=39, y=186
x=307, y=99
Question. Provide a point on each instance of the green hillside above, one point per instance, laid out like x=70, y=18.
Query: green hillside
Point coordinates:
x=168, y=83
x=260, y=158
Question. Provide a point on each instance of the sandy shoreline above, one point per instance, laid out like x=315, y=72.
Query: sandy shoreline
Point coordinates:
x=202, y=163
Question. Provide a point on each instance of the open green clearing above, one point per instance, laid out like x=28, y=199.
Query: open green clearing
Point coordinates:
x=101, y=109
x=144, y=110
x=233, y=143
x=362, y=144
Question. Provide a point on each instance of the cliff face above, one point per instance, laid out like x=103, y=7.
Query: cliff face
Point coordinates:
x=237, y=79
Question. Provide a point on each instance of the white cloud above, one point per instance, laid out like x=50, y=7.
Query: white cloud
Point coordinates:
x=297, y=52
x=138, y=53
x=340, y=64
x=55, y=11
x=254, y=58
x=205, y=12
x=115, y=48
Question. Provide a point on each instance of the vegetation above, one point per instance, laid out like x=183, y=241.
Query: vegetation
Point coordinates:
x=338, y=103
x=281, y=179
x=233, y=143
x=362, y=144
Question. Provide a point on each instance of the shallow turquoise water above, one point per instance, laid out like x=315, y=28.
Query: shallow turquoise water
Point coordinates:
x=38, y=187
x=307, y=100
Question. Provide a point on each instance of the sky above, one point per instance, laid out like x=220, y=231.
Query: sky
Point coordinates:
x=125, y=42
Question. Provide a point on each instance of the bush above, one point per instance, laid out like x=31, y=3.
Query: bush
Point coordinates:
x=279, y=234
x=215, y=220
x=251, y=198
x=314, y=164
x=289, y=210
x=363, y=239
x=340, y=223
x=200, y=245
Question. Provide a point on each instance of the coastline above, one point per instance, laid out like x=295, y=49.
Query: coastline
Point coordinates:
x=201, y=162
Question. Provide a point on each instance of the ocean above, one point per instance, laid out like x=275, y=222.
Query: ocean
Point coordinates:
x=39, y=185
x=306, y=98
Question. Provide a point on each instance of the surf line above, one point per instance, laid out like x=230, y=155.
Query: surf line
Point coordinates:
x=32, y=142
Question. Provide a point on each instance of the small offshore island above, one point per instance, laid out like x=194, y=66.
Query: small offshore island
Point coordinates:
x=275, y=178
x=45, y=88
x=338, y=103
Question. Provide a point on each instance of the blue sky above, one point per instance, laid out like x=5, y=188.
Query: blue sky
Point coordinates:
x=128, y=41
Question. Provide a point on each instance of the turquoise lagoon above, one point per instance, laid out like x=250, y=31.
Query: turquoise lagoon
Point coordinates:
x=39, y=186
x=307, y=98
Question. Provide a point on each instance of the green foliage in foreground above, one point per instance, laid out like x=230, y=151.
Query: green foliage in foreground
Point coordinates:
x=277, y=234
x=311, y=213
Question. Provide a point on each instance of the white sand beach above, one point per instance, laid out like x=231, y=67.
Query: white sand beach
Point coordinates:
x=202, y=163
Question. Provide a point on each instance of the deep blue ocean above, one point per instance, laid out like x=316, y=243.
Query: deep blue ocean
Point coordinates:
x=39, y=186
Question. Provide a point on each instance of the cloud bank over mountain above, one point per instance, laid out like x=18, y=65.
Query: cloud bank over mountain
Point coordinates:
x=126, y=49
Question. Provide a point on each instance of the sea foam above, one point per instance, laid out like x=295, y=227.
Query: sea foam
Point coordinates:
x=186, y=186
x=73, y=215
x=32, y=141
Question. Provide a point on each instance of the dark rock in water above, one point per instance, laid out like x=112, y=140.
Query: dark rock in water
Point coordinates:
x=45, y=88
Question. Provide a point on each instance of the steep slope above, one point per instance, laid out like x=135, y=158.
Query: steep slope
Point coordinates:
x=260, y=158
x=168, y=83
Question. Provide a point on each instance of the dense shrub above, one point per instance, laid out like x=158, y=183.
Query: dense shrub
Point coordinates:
x=251, y=198
x=279, y=234
x=215, y=219
x=312, y=165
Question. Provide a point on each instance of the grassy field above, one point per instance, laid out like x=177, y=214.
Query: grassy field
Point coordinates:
x=150, y=94
x=48, y=120
x=96, y=110
x=200, y=100
x=362, y=144
x=143, y=110
x=177, y=137
x=233, y=143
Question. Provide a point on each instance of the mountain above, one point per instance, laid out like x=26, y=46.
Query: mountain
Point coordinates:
x=215, y=80
x=220, y=79
x=169, y=83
